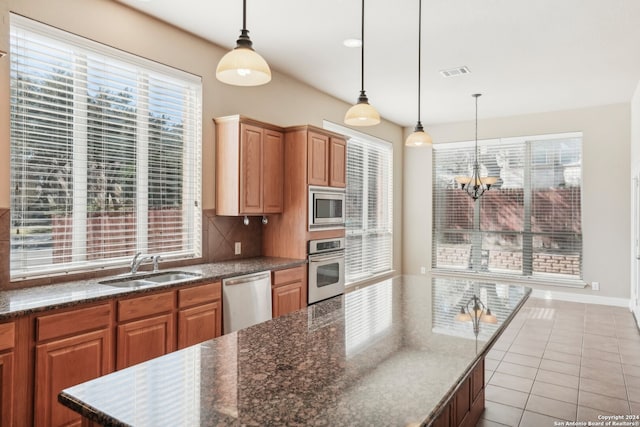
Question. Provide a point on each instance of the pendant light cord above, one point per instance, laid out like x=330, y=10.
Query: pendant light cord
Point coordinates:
x=361, y=50
x=244, y=14
x=476, y=96
x=419, y=51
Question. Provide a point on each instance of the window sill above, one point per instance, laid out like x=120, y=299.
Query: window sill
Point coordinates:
x=522, y=280
x=370, y=280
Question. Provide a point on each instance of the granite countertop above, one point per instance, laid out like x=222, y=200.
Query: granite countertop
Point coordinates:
x=390, y=353
x=22, y=302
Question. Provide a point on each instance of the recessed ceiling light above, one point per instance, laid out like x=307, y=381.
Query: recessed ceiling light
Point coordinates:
x=352, y=42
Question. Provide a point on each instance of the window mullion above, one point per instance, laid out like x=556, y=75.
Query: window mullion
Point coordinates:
x=142, y=164
x=80, y=134
x=527, y=236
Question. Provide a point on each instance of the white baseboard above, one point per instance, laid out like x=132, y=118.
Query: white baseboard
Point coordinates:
x=583, y=298
x=636, y=312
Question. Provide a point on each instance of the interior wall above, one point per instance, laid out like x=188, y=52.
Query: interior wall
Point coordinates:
x=605, y=194
x=284, y=101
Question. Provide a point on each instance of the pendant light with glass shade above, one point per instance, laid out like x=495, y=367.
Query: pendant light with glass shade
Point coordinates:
x=243, y=66
x=362, y=114
x=419, y=138
x=475, y=185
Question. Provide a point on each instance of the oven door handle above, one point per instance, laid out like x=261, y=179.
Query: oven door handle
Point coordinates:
x=315, y=258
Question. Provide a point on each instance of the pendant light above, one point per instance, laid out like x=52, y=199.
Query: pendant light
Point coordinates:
x=362, y=114
x=419, y=138
x=243, y=66
x=475, y=185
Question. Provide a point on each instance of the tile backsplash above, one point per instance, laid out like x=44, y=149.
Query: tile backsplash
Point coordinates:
x=221, y=233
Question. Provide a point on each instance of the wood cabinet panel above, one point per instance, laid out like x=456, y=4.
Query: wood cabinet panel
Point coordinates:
x=251, y=149
x=318, y=159
x=288, y=275
x=71, y=322
x=273, y=171
x=287, y=298
x=7, y=335
x=477, y=380
x=338, y=163
x=63, y=363
x=142, y=340
x=198, y=324
x=199, y=294
x=135, y=308
x=6, y=389
x=462, y=402
x=444, y=419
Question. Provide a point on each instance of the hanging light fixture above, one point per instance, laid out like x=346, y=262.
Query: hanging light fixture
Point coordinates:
x=243, y=66
x=475, y=185
x=419, y=138
x=362, y=114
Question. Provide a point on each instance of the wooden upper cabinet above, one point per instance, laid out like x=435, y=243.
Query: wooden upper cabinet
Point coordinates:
x=273, y=171
x=326, y=160
x=318, y=159
x=249, y=167
x=338, y=163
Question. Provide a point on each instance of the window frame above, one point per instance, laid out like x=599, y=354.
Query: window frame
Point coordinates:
x=149, y=74
x=528, y=275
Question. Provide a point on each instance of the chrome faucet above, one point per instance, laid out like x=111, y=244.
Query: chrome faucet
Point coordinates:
x=156, y=262
x=137, y=260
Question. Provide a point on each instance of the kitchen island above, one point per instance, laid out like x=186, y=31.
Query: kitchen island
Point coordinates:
x=391, y=353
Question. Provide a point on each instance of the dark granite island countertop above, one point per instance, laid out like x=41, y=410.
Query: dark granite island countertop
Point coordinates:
x=390, y=353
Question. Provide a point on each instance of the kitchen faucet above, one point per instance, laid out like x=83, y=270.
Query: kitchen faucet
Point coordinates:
x=139, y=259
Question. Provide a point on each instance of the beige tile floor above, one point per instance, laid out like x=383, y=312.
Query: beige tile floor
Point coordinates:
x=563, y=361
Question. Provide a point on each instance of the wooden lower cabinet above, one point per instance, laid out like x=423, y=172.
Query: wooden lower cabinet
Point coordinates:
x=465, y=407
x=145, y=328
x=6, y=388
x=71, y=347
x=288, y=290
x=199, y=314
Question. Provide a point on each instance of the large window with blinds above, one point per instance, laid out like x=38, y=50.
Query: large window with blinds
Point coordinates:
x=105, y=154
x=528, y=224
x=369, y=203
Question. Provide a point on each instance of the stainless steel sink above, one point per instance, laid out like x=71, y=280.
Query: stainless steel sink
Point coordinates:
x=138, y=280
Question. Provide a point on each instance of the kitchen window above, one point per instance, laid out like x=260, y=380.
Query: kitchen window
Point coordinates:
x=529, y=224
x=369, y=205
x=105, y=155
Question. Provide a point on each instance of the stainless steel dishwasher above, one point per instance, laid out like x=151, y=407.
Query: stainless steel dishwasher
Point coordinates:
x=246, y=300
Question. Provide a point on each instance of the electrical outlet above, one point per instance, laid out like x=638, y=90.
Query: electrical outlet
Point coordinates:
x=238, y=248
x=595, y=286
x=423, y=270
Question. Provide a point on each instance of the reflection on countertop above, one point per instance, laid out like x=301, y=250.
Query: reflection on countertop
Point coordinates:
x=21, y=302
x=384, y=354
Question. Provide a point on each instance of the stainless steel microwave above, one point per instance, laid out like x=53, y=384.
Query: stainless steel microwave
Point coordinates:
x=326, y=208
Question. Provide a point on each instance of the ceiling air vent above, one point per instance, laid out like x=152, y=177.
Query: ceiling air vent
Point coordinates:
x=457, y=71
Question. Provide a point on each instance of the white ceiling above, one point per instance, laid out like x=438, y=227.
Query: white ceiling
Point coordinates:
x=525, y=56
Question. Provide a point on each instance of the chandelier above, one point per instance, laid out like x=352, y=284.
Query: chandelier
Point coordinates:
x=475, y=185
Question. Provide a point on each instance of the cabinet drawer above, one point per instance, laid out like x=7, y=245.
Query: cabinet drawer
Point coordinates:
x=199, y=294
x=282, y=277
x=135, y=308
x=7, y=335
x=73, y=322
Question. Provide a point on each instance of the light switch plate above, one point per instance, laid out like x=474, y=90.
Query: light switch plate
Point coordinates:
x=238, y=248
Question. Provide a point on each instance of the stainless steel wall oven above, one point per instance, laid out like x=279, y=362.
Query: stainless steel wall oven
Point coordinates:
x=326, y=268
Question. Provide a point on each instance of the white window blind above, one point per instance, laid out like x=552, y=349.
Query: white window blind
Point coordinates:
x=369, y=199
x=105, y=154
x=528, y=224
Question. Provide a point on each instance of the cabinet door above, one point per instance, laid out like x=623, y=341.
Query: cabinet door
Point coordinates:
x=318, y=159
x=250, y=169
x=198, y=324
x=287, y=298
x=338, y=163
x=6, y=389
x=63, y=363
x=273, y=171
x=144, y=339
